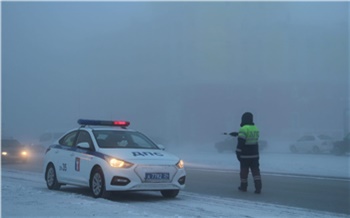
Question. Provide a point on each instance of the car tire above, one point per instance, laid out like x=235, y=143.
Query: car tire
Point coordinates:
x=51, y=178
x=170, y=193
x=97, y=184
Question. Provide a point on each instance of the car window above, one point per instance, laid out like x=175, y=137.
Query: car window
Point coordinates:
x=84, y=136
x=311, y=138
x=122, y=139
x=307, y=138
x=69, y=139
x=324, y=137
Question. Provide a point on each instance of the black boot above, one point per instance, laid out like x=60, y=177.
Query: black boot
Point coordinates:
x=243, y=187
x=258, y=186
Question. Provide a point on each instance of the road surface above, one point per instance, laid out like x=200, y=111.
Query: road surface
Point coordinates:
x=317, y=193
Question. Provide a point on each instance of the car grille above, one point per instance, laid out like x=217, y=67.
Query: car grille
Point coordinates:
x=142, y=170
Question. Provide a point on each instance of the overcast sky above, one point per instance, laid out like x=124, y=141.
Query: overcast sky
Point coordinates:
x=182, y=71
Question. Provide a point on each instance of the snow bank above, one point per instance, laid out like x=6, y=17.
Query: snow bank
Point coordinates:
x=272, y=160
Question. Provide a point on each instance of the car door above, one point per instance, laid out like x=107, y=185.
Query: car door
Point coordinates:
x=82, y=158
x=310, y=142
x=305, y=143
x=62, y=154
x=300, y=144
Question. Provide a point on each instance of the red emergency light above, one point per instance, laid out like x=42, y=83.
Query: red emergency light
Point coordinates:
x=121, y=123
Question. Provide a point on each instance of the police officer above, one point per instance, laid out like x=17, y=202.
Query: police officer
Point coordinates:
x=248, y=152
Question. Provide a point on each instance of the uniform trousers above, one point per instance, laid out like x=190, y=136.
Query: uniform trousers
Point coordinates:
x=253, y=165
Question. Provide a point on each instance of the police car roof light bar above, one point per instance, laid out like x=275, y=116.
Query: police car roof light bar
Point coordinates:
x=120, y=123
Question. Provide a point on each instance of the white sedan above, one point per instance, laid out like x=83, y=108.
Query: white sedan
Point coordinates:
x=107, y=156
x=312, y=144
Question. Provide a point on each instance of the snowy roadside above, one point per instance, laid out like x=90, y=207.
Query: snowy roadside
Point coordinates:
x=271, y=161
x=24, y=194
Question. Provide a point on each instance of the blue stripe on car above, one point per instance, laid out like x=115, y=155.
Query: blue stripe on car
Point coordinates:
x=82, y=151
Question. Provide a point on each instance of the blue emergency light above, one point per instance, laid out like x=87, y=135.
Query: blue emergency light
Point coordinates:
x=120, y=123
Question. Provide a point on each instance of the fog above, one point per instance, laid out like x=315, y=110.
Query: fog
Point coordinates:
x=181, y=71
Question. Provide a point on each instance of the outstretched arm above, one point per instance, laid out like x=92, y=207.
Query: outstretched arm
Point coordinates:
x=234, y=134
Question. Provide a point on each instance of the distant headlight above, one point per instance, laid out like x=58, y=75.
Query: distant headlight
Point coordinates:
x=4, y=153
x=180, y=164
x=24, y=153
x=119, y=163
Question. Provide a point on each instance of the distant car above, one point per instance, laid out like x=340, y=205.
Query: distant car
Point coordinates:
x=342, y=147
x=13, y=151
x=229, y=144
x=107, y=156
x=312, y=144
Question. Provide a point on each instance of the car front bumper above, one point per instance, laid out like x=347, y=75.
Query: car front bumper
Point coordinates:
x=134, y=179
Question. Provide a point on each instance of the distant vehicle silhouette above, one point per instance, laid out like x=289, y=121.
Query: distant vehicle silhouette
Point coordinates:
x=13, y=151
x=312, y=144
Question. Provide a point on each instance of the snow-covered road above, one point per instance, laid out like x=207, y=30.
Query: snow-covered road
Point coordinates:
x=24, y=194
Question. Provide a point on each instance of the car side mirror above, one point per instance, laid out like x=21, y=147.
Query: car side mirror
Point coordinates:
x=161, y=147
x=84, y=145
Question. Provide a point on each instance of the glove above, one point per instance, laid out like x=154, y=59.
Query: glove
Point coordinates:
x=234, y=134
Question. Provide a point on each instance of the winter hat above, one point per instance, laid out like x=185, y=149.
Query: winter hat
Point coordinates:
x=247, y=119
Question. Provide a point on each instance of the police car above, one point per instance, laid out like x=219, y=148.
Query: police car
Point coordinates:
x=107, y=156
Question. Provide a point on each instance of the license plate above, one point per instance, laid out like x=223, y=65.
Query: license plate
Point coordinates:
x=156, y=177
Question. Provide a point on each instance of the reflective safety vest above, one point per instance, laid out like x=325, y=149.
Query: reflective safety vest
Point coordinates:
x=250, y=133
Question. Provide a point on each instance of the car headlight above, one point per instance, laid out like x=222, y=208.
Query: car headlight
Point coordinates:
x=24, y=153
x=114, y=162
x=180, y=164
x=4, y=153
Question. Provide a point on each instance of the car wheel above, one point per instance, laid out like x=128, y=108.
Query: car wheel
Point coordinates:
x=170, y=193
x=97, y=184
x=316, y=150
x=293, y=149
x=51, y=178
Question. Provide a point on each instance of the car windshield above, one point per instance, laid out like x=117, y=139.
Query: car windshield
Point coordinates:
x=122, y=139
